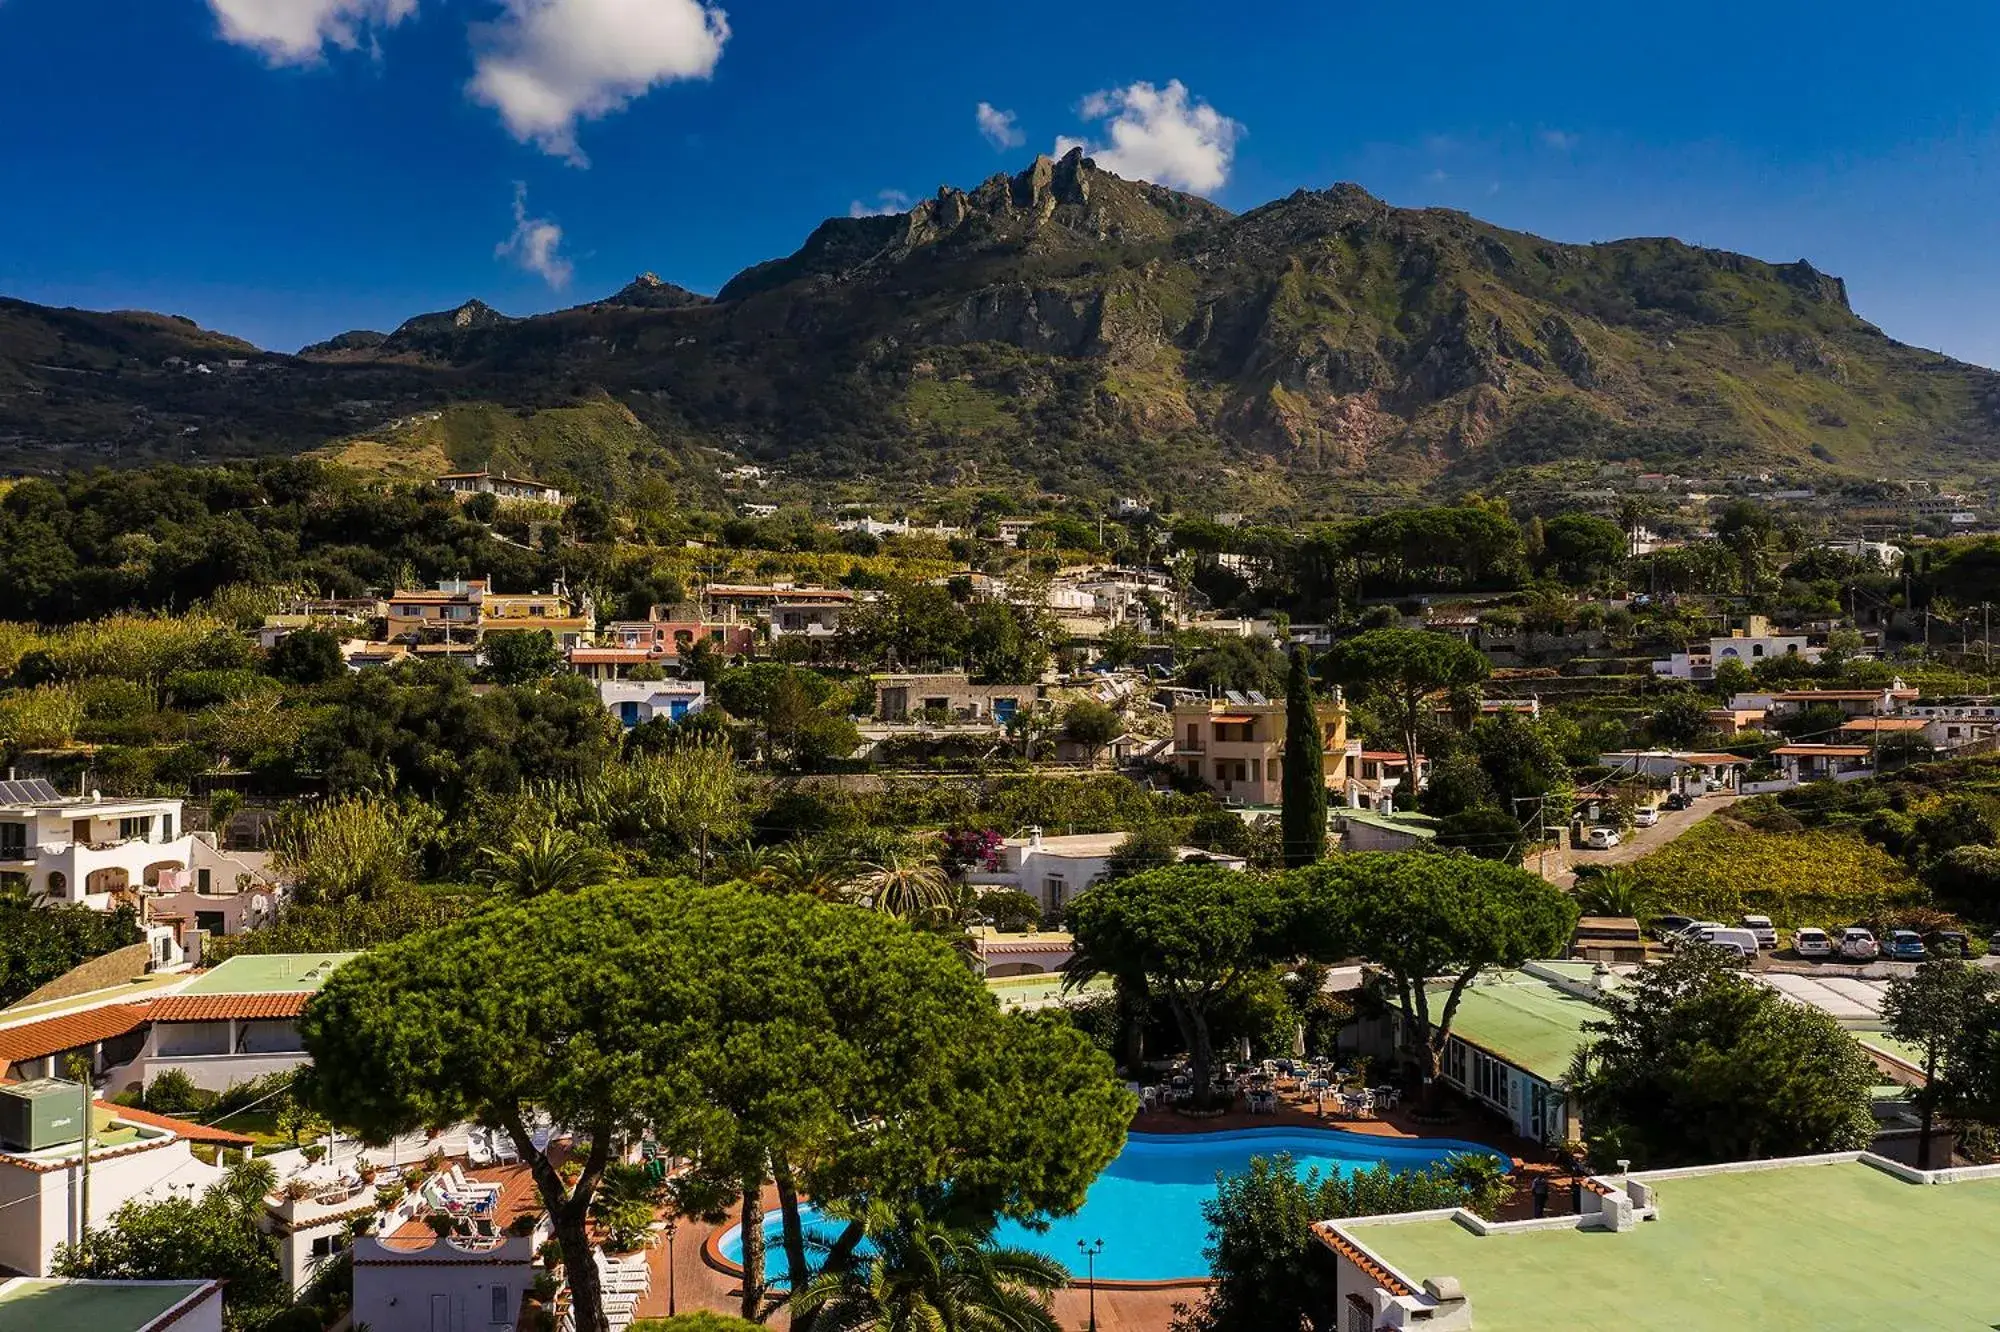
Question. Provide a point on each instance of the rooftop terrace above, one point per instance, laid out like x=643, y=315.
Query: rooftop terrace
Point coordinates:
x=1801, y=1246
x=28, y=1305
x=268, y=973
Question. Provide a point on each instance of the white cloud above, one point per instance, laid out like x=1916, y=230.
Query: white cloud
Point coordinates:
x=547, y=64
x=1437, y=176
x=1560, y=140
x=886, y=203
x=297, y=32
x=1161, y=135
x=536, y=244
x=999, y=128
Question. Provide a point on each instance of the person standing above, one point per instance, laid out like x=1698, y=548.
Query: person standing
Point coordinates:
x=1539, y=1191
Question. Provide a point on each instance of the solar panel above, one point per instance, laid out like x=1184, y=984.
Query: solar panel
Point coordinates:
x=31, y=791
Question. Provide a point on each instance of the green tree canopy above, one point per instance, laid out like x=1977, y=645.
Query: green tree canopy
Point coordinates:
x=307, y=657
x=1419, y=917
x=520, y=656
x=1696, y=1063
x=835, y=1051
x=1194, y=933
x=1401, y=669
x=1933, y=1010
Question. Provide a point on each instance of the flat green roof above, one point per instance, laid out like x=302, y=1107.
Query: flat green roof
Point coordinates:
x=1416, y=825
x=1526, y=1021
x=88, y=1306
x=1807, y=1247
x=139, y=987
x=268, y=973
x=1900, y=1050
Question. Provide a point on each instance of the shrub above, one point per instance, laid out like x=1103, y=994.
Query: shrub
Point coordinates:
x=173, y=1092
x=1969, y=878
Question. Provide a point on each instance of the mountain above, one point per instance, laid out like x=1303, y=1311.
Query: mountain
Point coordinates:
x=1066, y=327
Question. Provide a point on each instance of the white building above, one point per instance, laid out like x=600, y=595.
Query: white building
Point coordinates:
x=132, y=1155
x=234, y=1023
x=110, y=1306
x=467, y=484
x=1696, y=773
x=636, y=701
x=1053, y=870
x=88, y=849
x=441, y=1285
x=1745, y=649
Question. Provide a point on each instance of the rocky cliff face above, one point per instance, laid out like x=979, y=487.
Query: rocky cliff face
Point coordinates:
x=1084, y=330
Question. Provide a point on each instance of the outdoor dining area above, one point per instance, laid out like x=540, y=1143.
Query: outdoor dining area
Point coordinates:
x=1325, y=1087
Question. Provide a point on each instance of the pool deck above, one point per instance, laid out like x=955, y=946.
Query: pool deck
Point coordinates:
x=1128, y=1308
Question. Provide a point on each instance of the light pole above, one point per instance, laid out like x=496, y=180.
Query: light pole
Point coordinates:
x=1090, y=1251
x=673, y=1224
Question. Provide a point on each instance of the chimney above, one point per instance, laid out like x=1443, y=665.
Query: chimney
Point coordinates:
x=1035, y=838
x=1601, y=979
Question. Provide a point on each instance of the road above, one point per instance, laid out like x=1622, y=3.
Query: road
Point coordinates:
x=1562, y=864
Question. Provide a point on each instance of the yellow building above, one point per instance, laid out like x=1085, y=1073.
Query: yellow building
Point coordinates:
x=1237, y=749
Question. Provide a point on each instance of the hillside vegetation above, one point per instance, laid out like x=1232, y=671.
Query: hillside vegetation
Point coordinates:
x=1083, y=332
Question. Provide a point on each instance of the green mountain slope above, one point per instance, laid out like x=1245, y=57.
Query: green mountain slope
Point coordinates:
x=1066, y=327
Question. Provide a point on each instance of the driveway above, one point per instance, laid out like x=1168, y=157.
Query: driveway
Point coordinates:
x=1562, y=863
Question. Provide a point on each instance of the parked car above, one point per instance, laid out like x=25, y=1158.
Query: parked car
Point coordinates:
x=1761, y=926
x=1729, y=938
x=1808, y=941
x=1666, y=927
x=1905, y=946
x=1601, y=838
x=1949, y=943
x=1691, y=931
x=1679, y=800
x=1859, y=945
x=1645, y=817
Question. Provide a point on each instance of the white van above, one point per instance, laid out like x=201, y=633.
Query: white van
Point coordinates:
x=1732, y=939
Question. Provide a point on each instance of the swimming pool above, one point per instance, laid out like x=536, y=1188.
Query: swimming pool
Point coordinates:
x=1146, y=1206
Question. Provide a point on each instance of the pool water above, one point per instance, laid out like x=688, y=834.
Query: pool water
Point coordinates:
x=1146, y=1206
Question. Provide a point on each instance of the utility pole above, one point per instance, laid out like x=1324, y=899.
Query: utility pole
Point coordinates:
x=79, y=1068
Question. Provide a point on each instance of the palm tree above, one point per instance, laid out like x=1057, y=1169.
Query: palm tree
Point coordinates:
x=553, y=860
x=907, y=887
x=815, y=868
x=1611, y=891
x=926, y=1275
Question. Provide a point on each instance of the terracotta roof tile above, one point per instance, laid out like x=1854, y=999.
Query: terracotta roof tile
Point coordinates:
x=32, y=1040
x=1370, y=1265
x=186, y=1128
x=221, y=1007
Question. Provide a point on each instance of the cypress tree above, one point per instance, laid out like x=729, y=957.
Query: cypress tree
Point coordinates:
x=1303, y=821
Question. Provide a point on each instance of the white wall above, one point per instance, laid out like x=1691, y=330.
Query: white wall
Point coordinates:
x=42, y=1206
x=448, y=1294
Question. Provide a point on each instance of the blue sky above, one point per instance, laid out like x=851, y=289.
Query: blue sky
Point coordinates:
x=286, y=169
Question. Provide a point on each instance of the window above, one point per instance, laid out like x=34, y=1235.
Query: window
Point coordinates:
x=1757, y=650
x=201, y=880
x=211, y=922
x=1056, y=889
x=140, y=828
x=13, y=841
x=58, y=885
x=166, y=827
x=503, y=1311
